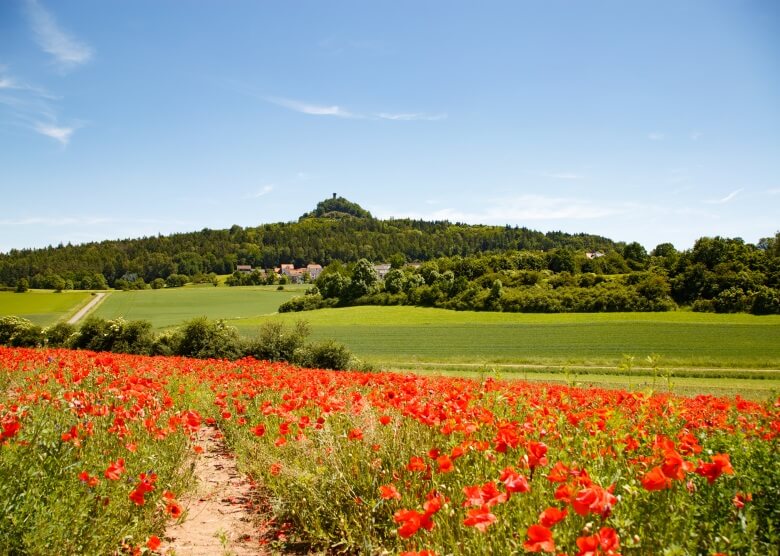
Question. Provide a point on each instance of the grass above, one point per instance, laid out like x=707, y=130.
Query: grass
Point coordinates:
x=170, y=307
x=42, y=307
x=399, y=336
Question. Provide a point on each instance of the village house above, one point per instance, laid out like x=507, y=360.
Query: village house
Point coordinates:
x=382, y=270
x=298, y=275
x=594, y=254
x=244, y=268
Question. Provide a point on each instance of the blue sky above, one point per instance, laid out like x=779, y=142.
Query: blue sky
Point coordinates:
x=642, y=121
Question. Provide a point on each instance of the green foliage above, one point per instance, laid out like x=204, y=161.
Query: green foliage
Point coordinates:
x=157, y=284
x=306, y=303
x=176, y=280
x=22, y=285
x=59, y=335
x=338, y=207
x=205, y=339
x=19, y=332
x=328, y=354
x=117, y=335
x=277, y=342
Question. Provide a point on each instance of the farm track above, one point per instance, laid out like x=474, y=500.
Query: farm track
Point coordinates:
x=87, y=308
x=217, y=518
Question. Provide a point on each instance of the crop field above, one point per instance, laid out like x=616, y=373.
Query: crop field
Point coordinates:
x=402, y=336
x=170, y=307
x=42, y=307
x=97, y=452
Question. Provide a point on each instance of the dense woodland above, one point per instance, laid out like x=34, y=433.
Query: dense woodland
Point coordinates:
x=462, y=267
x=337, y=230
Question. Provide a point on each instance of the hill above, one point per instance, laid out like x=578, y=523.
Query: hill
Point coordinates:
x=337, y=229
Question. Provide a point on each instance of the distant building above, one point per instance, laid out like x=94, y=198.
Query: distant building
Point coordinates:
x=382, y=270
x=594, y=254
x=314, y=270
x=244, y=268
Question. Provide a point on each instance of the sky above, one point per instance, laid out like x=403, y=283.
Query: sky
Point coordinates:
x=652, y=121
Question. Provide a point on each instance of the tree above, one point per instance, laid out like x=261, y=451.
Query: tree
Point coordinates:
x=22, y=285
x=364, y=280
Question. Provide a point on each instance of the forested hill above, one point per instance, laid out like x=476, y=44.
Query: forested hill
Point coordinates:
x=336, y=230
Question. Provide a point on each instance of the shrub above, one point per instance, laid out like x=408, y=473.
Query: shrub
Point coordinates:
x=157, y=284
x=278, y=342
x=59, y=335
x=19, y=332
x=116, y=335
x=203, y=338
x=304, y=303
x=329, y=354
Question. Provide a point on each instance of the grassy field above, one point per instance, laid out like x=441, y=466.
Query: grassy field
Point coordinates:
x=170, y=307
x=43, y=307
x=404, y=336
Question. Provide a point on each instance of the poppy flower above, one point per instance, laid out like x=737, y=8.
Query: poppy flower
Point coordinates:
x=389, y=492
x=656, y=480
x=514, y=481
x=153, y=543
x=540, y=539
x=115, y=469
x=551, y=516
x=721, y=463
x=480, y=518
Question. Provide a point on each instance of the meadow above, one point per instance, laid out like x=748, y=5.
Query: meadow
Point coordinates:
x=42, y=307
x=406, y=336
x=96, y=452
x=170, y=307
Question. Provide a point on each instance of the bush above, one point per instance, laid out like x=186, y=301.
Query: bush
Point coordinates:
x=118, y=335
x=176, y=280
x=157, y=284
x=277, y=342
x=305, y=303
x=19, y=332
x=206, y=339
x=59, y=335
x=329, y=354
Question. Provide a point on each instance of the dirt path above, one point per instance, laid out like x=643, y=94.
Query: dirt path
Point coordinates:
x=217, y=521
x=87, y=308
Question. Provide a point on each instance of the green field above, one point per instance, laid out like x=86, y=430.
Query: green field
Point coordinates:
x=43, y=307
x=404, y=336
x=170, y=307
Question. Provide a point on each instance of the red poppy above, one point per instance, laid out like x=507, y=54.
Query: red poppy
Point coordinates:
x=604, y=543
x=656, y=480
x=115, y=469
x=514, y=481
x=479, y=518
x=445, y=464
x=551, y=516
x=389, y=492
x=721, y=463
x=153, y=543
x=540, y=539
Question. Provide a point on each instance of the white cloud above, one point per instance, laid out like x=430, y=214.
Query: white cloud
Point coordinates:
x=312, y=109
x=725, y=199
x=695, y=135
x=410, y=117
x=774, y=191
x=66, y=50
x=61, y=134
x=655, y=136
x=339, y=112
x=525, y=208
x=265, y=190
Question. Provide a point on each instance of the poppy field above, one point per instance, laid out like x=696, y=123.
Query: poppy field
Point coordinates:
x=96, y=452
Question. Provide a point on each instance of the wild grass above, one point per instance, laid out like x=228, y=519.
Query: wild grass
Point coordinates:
x=42, y=307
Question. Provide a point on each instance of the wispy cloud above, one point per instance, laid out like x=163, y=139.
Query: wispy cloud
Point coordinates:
x=523, y=208
x=410, y=117
x=656, y=136
x=725, y=199
x=340, y=112
x=773, y=191
x=695, y=135
x=33, y=108
x=312, y=109
x=265, y=190
x=67, y=50
x=61, y=134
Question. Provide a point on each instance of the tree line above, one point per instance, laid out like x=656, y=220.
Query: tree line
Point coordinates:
x=336, y=231
x=718, y=274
